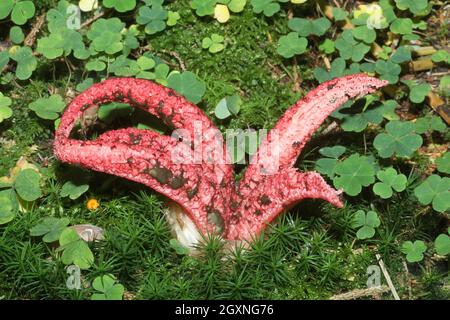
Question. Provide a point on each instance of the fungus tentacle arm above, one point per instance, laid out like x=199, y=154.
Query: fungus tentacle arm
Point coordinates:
x=145, y=156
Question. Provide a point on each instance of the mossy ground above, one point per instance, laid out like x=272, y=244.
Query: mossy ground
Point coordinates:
x=308, y=253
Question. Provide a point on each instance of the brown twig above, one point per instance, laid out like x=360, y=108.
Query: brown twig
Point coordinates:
x=359, y=293
x=177, y=57
x=31, y=37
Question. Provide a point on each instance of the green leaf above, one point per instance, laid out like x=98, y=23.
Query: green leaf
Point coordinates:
x=339, y=14
x=27, y=185
x=16, y=35
x=74, y=249
x=353, y=173
x=6, y=207
x=327, y=46
x=363, y=33
x=106, y=36
x=338, y=69
x=268, y=7
x=434, y=190
x=73, y=190
x=172, y=18
x=418, y=92
x=367, y=222
x=203, y=7
x=388, y=70
x=62, y=42
x=188, y=85
x=179, y=248
x=291, y=45
x=442, y=244
x=306, y=27
x=22, y=12
x=414, y=251
x=213, y=43
x=154, y=18
x=443, y=163
x=349, y=48
x=441, y=56
x=48, y=108
x=108, y=287
x=228, y=106
x=26, y=62
x=399, y=139
x=429, y=124
x=6, y=7
x=389, y=180
x=237, y=6
x=402, y=26
x=4, y=59
x=51, y=228
x=333, y=152
x=120, y=5
x=402, y=54
x=5, y=111
x=327, y=166
x=415, y=6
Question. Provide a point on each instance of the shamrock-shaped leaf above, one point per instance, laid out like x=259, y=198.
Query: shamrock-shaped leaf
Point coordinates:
x=6, y=206
x=442, y=244
x=402, y=26
x=339, y=14
x=415, y=6
x=106, y=36
x=179, y=248
x=306, y=27
x=203, y=7
x=120, y=5
x=5, y=110
x=74, y=249
x=399, y=138
x=338, y=69
x=291, y=44
x=443, y=163
x=366, y=222
x=388, y=70
x=154, y=18
x=327, y=165
x=51, y=228
x=214, y=43
x=62, y=42
x=27, y=185
x=230, y=105
x=188, y=85
x=402, y=54
x=172, y=18
x=363, y=33
x=353, y=173
x=21, y=11
x=327, y=46
x=434, y=190
x=429, y=124
x=349, y=48
x=268, y=7
x=417, y=92
x=16, y=35
x=389, y=180
x=236, y=6
x=26, y=62
x=414, y=251
x=73, y=190
x=108, y=287
x=48, y=108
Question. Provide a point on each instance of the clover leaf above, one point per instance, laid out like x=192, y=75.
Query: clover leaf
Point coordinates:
x=429, y=124
x=389, y=180
x=73, y=190
x=27, y=185
x=120, y=5
x=327, y=46
x=366, y=222
x=16, y=35
x=62, y=42
x=349, y=48
x=434, y=190
x=442, y=244
x=4, y=59
x=388, y=70
x=188, y=85
x=214, y=43
x=5, y=111
x=402, y=26
x=48, y=108
x=235, y=6
x=268, y=7
x=6, y=206
x=415, y=6
x=417, y=92
x=441, y=56
x=306, y=27
x=353, y=173
x=414, y=251
x=327, y=165
x=230, y=105
x=74, y=249
x=21, y=11
x=363, y=33
x=291, y=44
x=106, y=36
x=402, y=54
x=172, y=18
x=338, y=69
x=26, y=62
x=203, y=7
x=108, y=287
x=399, y=138
x=339, y=14
x=50, y=227
x=154, y=18
x=443, y=163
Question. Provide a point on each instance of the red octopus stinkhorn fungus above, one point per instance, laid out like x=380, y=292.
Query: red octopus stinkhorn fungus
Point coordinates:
x=205, y=189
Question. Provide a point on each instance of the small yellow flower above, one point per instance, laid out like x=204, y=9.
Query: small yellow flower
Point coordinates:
x=92, y=204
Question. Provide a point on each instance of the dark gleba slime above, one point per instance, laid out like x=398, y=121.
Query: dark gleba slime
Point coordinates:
x=211, y=200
